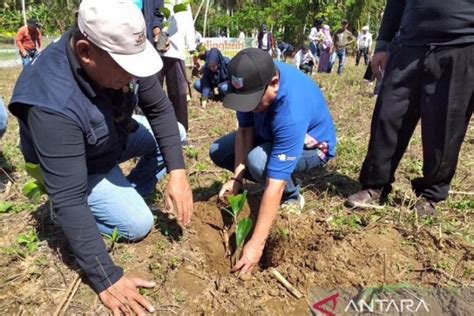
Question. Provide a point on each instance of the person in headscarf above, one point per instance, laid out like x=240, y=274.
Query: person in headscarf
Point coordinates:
x=213, y=84
x=326, y=49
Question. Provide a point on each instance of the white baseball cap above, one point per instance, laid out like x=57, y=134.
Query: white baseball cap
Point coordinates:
x=365, y=28
x=118, y=27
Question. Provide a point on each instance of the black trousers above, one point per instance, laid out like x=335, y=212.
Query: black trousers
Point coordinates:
x=362, y=52
x=174, y=72
x=436, y=85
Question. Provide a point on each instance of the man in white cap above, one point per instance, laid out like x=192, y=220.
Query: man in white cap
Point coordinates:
x=74, y=104
x=364, y=42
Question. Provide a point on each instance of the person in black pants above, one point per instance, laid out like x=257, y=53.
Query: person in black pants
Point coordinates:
x=425, y=79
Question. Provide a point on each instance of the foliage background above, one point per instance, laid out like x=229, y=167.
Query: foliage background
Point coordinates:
x=290, y=20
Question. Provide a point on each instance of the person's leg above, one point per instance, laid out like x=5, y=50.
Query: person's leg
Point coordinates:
x=151, y=167
x=341, y=54
x=197, y=85
x=359, y=52
x=3, y=118
x=177, y=88
x=366, y=56
x=446, y=108
x=395, y=117
x=256, y=163
x=25, y=60
x=223, y=87
x=222, y=152
x=116, y=204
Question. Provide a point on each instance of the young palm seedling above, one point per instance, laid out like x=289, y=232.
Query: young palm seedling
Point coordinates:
x=243, y=226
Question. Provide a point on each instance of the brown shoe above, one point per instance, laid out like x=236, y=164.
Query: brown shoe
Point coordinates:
x=425, y=207
x=365, y=198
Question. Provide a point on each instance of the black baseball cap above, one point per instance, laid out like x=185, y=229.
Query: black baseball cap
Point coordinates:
x=32, y=23
x=250, y=71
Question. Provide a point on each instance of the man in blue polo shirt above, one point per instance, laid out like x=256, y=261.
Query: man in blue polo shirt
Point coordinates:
x=284, y=127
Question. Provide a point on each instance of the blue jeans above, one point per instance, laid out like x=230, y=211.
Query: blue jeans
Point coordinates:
x=222, y=87
x=341, y=55
x=3, y=117
x=116, y=200
x=27, y=59
x=222, y=154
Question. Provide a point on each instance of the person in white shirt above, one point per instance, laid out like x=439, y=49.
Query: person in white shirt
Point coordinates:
x=364, y=42
x=265, y=40
x=314, y=38
x=242, y=35
x=304, y=60
x=182, y=38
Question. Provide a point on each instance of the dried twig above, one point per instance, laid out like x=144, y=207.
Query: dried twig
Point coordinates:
x=285, y=283
x=461, y=192
x=442, y=272
x=71, y=291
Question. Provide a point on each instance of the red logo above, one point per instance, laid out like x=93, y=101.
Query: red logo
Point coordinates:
x=318, y=305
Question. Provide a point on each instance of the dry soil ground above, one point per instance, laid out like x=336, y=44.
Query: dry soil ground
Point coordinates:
x=328, y=247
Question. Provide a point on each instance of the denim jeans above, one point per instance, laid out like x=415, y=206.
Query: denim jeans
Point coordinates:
x=116, y=200
x=222, y=153
x=3, y=117
x=27, y=59
x=222, y=87
x=341, y=55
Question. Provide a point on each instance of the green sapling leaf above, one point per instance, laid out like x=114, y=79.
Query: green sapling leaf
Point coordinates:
x=180, y=7
x=242, y=230
x=5, y=206
x=166, y=12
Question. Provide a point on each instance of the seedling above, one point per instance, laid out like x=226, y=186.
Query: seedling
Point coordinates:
x=243, y=227
x=29, y=240
x=35, y=189
x=113, y=238
x=5, y=206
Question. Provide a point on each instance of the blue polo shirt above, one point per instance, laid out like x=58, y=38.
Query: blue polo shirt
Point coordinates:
x=299, y=109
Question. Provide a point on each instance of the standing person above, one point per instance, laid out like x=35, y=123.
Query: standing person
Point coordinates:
x=74, y=105
x=214, y=82
x=3, y=118
x=425, y=78
x=265, y=40
x=304, y=60
x=242, y=35
x=326, y=47
x=182, y=39
x=284, y=127
x=364, y=43
x=28, y=41
x=314, y=38
x=342, y=39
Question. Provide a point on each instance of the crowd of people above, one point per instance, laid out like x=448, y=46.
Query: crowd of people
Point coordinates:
x=76, y=106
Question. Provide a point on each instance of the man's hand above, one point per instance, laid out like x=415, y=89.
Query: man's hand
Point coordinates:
x=379, y=61
x=232, y=186
x=251, y=255
x=23, y=53
x=178, y=194
x=156, y=36
x=123, y=298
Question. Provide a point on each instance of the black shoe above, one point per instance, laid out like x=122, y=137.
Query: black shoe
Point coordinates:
x=425, y=207
x=365, y=198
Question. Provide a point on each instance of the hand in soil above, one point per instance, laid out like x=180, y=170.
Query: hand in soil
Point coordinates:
x=178, y=194
x=231, y=187
x=251, y=255
x=123, y=298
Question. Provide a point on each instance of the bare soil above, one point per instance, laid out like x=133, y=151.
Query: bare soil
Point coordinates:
x=325, y=248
